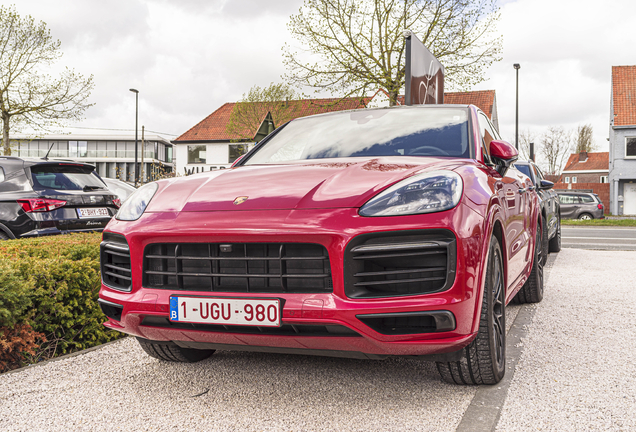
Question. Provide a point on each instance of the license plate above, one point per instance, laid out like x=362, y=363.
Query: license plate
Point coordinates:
x=92, y=212
x=227, y=311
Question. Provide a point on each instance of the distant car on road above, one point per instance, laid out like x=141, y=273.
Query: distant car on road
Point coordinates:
x=550, y=207
x=122, y=189
x=581, y=205
x=44, y=197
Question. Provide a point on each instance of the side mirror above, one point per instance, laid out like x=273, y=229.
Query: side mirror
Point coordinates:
x=545, y=185
x=503, y=154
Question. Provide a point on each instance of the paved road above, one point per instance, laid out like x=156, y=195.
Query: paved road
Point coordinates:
x=599, y=238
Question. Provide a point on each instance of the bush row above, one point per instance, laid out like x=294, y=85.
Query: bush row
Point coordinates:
x=48, y=298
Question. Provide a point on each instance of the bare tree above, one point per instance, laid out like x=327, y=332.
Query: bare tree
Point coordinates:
x=29, y=97
x=351, y=47
x=556, y=146
x=525, y=138
x=250, y=111
x=585, y=139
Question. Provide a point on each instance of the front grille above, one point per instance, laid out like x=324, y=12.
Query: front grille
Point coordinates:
x=400, y=263
x=238, y=267
x=115, y=262
x=284, y=330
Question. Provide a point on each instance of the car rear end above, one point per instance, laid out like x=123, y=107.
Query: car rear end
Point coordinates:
x=64, y=197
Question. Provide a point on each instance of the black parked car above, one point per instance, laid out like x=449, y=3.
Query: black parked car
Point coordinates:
x=45, y=197
x=550, y=206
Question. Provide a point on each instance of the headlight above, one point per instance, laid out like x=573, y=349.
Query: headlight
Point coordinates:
x=424, y=193
x=136, y=204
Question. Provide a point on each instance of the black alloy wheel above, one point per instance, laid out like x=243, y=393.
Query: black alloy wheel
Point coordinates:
x=169, y=351
x=484, y=359
x=555, y=242
x=532, y=290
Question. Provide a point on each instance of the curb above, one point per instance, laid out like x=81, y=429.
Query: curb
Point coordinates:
x=485, y=409
x=62, y=357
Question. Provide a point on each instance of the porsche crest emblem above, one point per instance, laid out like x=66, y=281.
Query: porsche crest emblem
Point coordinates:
x=240, y=200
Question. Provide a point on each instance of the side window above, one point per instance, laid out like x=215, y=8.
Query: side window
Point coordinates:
x=14, y=181
x=1, y=175
x=586, y=199
x=538, y=173
x=487, y=132
x=568, y=199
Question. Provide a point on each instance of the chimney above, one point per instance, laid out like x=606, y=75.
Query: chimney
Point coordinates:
x=582, y=156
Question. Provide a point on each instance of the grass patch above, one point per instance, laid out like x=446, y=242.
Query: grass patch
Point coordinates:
x=600, y=222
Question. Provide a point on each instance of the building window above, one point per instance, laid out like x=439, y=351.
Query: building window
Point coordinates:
x=196, y=154
x=567, y=179
x=573, y=179
x=236, y=151
x=630, y=147
x=603, y=179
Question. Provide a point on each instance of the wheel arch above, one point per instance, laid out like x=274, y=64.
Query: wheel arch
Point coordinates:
x=7, y=231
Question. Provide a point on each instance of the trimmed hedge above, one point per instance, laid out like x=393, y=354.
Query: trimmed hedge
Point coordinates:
x=48, y=298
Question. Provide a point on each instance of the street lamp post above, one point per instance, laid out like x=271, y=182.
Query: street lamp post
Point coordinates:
x=517, y=66
x=136, y=92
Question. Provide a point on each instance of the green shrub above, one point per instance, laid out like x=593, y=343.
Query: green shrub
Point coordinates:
x=51, y=284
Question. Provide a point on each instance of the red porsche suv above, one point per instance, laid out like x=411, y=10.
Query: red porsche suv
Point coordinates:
x=369, y=233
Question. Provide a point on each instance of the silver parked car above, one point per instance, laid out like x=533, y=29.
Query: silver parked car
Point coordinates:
x=581, y=205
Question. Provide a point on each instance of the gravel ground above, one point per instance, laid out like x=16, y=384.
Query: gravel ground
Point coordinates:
x=577, y=370
x=119, y=387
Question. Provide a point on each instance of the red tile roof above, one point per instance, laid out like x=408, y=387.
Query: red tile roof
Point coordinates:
x=482, y=99
x=624, y=95
x=214, y=126
x=595, y=161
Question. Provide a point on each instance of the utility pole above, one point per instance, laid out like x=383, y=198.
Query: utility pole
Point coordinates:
x=143, y=150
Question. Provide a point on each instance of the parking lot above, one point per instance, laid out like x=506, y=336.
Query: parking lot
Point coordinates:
x=574, y=372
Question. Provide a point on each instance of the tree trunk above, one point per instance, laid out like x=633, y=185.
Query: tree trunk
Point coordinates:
x=5, y=134
x=393, y=97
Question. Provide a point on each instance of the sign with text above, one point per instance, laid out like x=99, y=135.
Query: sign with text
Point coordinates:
x=424, y=75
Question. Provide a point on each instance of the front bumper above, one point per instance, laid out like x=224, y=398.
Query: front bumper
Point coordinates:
x=317, y=322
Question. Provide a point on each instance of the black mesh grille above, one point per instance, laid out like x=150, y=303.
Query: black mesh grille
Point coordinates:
x=238, y=267
x=115, y=262
x=399, y=264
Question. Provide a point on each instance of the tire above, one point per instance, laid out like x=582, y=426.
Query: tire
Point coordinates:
x=169, y=351
x=3, y=236
x=555, y=242
x=484, y=359
x=532, y=290
x=585, y=216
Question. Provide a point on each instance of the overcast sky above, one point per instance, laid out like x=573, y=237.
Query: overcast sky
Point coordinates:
x=188, y=57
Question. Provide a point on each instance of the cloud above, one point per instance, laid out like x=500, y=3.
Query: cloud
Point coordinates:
x=566, y=49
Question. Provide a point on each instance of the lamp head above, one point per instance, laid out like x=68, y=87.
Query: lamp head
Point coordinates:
x=134, y=90
x=517, y=66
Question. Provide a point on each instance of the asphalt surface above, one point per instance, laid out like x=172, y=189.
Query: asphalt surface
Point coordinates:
x=572, y=371
x=598, y=238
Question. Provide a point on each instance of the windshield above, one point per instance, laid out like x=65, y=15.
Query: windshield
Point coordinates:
x=524, y=169
x=64, y=177
x=370, y=133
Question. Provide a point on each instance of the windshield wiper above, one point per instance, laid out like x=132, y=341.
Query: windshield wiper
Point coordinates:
x=91, y=188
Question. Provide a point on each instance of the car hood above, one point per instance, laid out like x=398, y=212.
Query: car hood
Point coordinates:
x=335, y=183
